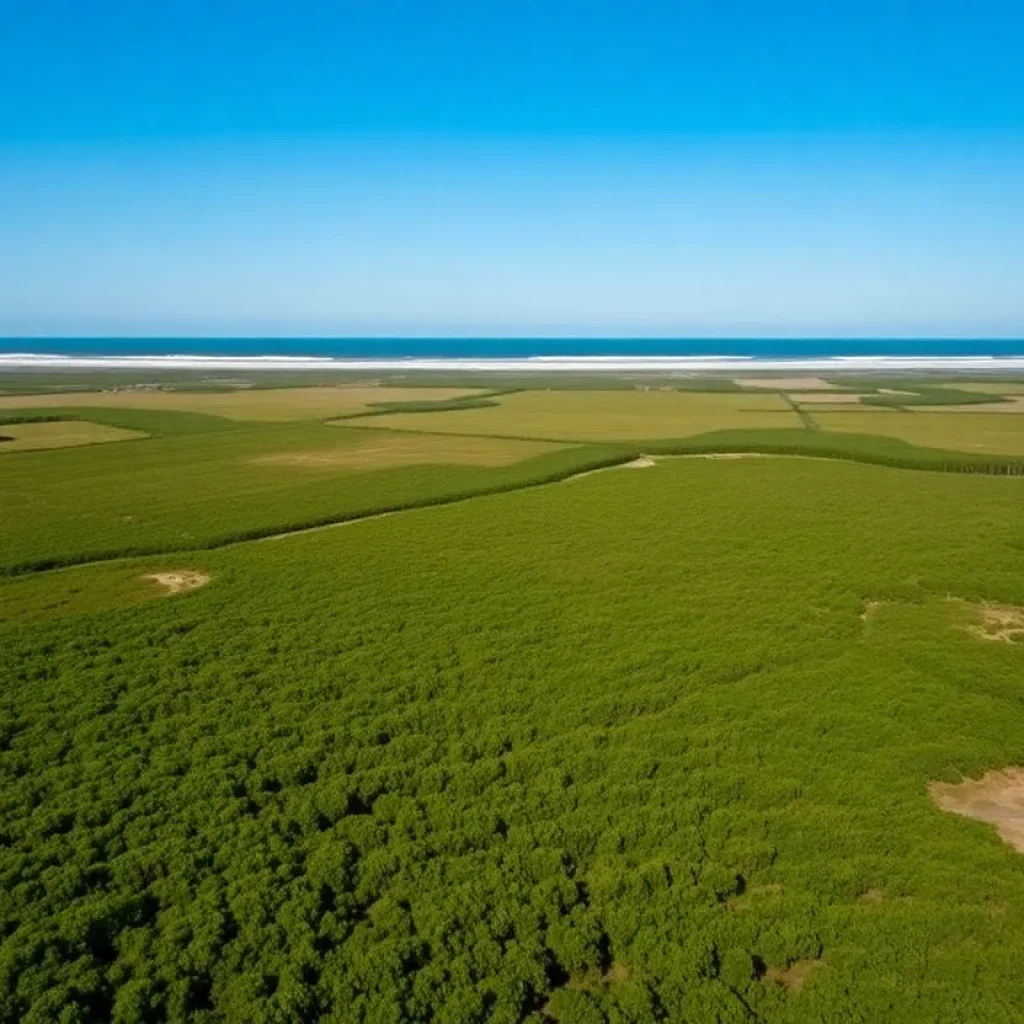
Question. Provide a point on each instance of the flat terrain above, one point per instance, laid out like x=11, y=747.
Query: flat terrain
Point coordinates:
x=257, y=404
x=720, y=738
x=606, y=415
x=629, y=749
x=385, y=450
x=966, y=431
x=993, y=387
x=24, y=437
x=190, y=489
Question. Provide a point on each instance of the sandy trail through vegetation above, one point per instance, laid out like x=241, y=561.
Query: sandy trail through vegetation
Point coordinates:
x=996, y=798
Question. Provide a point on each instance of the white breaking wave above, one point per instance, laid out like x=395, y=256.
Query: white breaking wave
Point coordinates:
x=540, y=364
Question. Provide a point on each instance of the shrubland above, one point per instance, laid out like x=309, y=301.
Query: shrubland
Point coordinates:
x=628, y=748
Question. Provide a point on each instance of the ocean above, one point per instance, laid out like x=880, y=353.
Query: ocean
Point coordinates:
x=622, y=355
x=518, y=348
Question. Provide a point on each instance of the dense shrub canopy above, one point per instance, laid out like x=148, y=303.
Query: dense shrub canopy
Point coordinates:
x=624, y=748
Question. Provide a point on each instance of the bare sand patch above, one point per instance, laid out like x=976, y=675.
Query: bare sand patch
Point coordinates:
x=826, y=398
x=997, y=798
x=893, y=391
x=794, y=977
x=786, y=383
x=872, y=896
x=179, y=582
x=999, y=622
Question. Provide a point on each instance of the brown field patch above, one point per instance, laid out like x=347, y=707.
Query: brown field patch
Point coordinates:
x=786, y=383
x=279, y=404
x=28, y=437
x=389, y=451
x=180, y=581
x=997, y=798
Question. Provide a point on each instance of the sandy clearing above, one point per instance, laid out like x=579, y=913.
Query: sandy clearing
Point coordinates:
x=1000, y=622
x=795, y=976
x=179, y=582
x=786, y=383
x=826, y=398
x=871, y=610
x=997, y=798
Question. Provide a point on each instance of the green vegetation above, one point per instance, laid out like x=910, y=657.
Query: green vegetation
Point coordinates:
x=198, y=489
x=52, y=432
x=617, y=750
x=608, y=415
x=273, y=404
x=987, y=432
x=651, y=745
x=933, y=396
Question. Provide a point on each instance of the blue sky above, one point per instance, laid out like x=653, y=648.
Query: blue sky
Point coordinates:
x=384, y=167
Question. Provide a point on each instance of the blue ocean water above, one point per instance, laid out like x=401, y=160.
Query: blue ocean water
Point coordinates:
x=516, y=348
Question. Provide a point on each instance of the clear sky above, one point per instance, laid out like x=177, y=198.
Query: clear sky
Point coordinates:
x=512, y=167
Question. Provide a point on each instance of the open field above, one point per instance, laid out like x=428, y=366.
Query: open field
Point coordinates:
x=995, y=387
x=605, y=415
x=636, y=748
x=384, y=450
x=781, y=383
x=311, y=403
x=967, y=431
x=817, y=398
x=1010, y=404
x=192, y=489
x=24, y=437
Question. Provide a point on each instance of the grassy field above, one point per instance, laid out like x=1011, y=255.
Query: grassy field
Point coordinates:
x=629, y=749
x=191, y=487
x=987, y=432
x=277, y=404
x=995, y=387
x=24, y=437
x=606, y=415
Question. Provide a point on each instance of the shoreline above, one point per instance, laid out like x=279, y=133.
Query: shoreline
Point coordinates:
x=682, y=364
